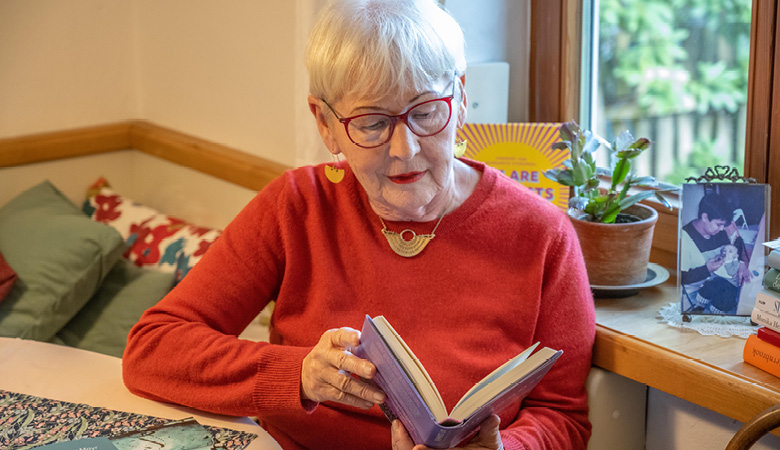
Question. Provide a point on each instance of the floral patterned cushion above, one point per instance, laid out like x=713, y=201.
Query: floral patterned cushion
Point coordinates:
x=153, y=239
x=7, y=278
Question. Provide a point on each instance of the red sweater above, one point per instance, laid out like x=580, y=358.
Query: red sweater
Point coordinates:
x=504, y=271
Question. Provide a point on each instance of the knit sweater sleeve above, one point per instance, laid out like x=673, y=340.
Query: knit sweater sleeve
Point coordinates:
x=185, y=349
x=555, y=414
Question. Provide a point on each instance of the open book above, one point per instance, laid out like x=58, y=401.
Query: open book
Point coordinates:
x=413, y=398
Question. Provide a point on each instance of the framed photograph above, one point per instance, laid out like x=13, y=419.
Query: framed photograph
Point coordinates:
x=720, y=257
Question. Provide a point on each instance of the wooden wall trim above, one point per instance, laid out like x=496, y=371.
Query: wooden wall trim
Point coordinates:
x=243, y=169
x=49, y=146
x=223, y=162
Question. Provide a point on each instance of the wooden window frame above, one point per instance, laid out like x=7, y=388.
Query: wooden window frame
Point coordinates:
x=554, y=95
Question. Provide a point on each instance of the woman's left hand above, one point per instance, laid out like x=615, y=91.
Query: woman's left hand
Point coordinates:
x=487, y=438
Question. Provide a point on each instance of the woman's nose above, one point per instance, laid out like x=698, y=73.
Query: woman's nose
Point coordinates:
x=403, y=143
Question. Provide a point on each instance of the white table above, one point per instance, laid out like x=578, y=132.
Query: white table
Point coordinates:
x=79, y=376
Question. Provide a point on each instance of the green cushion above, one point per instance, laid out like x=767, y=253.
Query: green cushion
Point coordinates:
x=103, y=323
x=60, y=257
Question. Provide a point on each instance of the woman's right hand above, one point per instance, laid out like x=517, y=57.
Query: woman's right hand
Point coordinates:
x=326, y=374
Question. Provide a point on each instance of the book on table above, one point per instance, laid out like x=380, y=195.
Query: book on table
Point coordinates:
x=768, y=301
x=765, y=319
x=413, y=398
x=103, y=428
x=772, y=280
x=762, y=354
x=186, y=434
x=769, y=335
x=773, y=259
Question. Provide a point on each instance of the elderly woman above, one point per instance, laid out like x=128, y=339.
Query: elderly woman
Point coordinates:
x=469, y=266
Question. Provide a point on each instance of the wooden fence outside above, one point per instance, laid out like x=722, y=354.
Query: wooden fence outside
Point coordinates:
x=675, y=136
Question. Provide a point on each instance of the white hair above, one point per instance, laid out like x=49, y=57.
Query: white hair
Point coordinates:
x=374, y=47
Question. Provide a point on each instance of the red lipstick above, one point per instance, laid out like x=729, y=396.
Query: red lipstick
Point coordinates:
x=406, y=178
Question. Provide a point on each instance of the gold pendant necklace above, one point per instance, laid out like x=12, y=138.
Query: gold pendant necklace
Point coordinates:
x=413, y=246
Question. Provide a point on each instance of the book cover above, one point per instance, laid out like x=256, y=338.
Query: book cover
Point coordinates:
x=762, y=354
x=412, y=396
x=186, y=434
x=773, y=259
x=522, y=151
x=768, y=301
x=98, y=443
x=772, y=244
x=765, y=319
x=769, y=335
x=34, y=429
x=772, y=280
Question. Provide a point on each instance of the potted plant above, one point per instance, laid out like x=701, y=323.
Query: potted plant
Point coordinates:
x=614, y=229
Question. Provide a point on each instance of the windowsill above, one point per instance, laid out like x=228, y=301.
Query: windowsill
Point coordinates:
x=706, y=370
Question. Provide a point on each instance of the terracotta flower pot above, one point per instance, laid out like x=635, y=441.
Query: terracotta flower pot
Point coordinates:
x=616, y=254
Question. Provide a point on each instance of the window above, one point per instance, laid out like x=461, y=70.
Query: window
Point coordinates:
x=556, y=92
x=675, y=71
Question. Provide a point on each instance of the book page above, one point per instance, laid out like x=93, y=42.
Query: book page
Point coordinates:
x=417, y=373
x=492, y=376
x=487, y=391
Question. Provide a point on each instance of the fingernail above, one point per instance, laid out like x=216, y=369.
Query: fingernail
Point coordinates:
x=379, y=398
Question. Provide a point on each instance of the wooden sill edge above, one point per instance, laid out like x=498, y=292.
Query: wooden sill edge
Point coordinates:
x=719, y=390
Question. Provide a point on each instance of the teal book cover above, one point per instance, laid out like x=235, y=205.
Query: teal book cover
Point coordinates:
x=98, y=443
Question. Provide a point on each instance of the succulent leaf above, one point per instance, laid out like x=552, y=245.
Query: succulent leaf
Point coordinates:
x=582, y=174
x=622, y=168
x=623, y=141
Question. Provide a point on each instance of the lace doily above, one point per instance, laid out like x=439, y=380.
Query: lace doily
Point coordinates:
x=723, y=326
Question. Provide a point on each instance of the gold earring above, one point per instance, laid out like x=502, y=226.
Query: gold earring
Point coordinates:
x=460, y=148
x=332, y=172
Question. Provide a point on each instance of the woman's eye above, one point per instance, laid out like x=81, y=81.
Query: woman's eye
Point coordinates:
x=372, y=124
x=375, y=126
x=423, y=111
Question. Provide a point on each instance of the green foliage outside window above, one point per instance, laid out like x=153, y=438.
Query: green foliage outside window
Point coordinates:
x=674, y=57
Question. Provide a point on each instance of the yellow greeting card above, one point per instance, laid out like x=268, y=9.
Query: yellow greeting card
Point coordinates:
x=522, y=151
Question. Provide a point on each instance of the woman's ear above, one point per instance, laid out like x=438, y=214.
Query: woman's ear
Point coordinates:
x=316, y=106
x=463, y=103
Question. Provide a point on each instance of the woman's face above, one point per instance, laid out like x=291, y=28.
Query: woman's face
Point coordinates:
x=409, y=177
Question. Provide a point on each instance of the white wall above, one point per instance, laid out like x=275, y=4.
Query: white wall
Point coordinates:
x=617, y=407
x=221, y=70
x=230, y=72
x=673, y=424
x=498, y=30
x=65, y=64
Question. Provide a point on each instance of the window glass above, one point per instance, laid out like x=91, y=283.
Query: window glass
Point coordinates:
x=674, y=71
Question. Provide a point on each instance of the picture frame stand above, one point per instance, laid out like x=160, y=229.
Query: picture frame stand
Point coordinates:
x=722, y=221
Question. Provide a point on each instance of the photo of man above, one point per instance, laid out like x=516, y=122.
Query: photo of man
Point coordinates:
x=720, y=258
